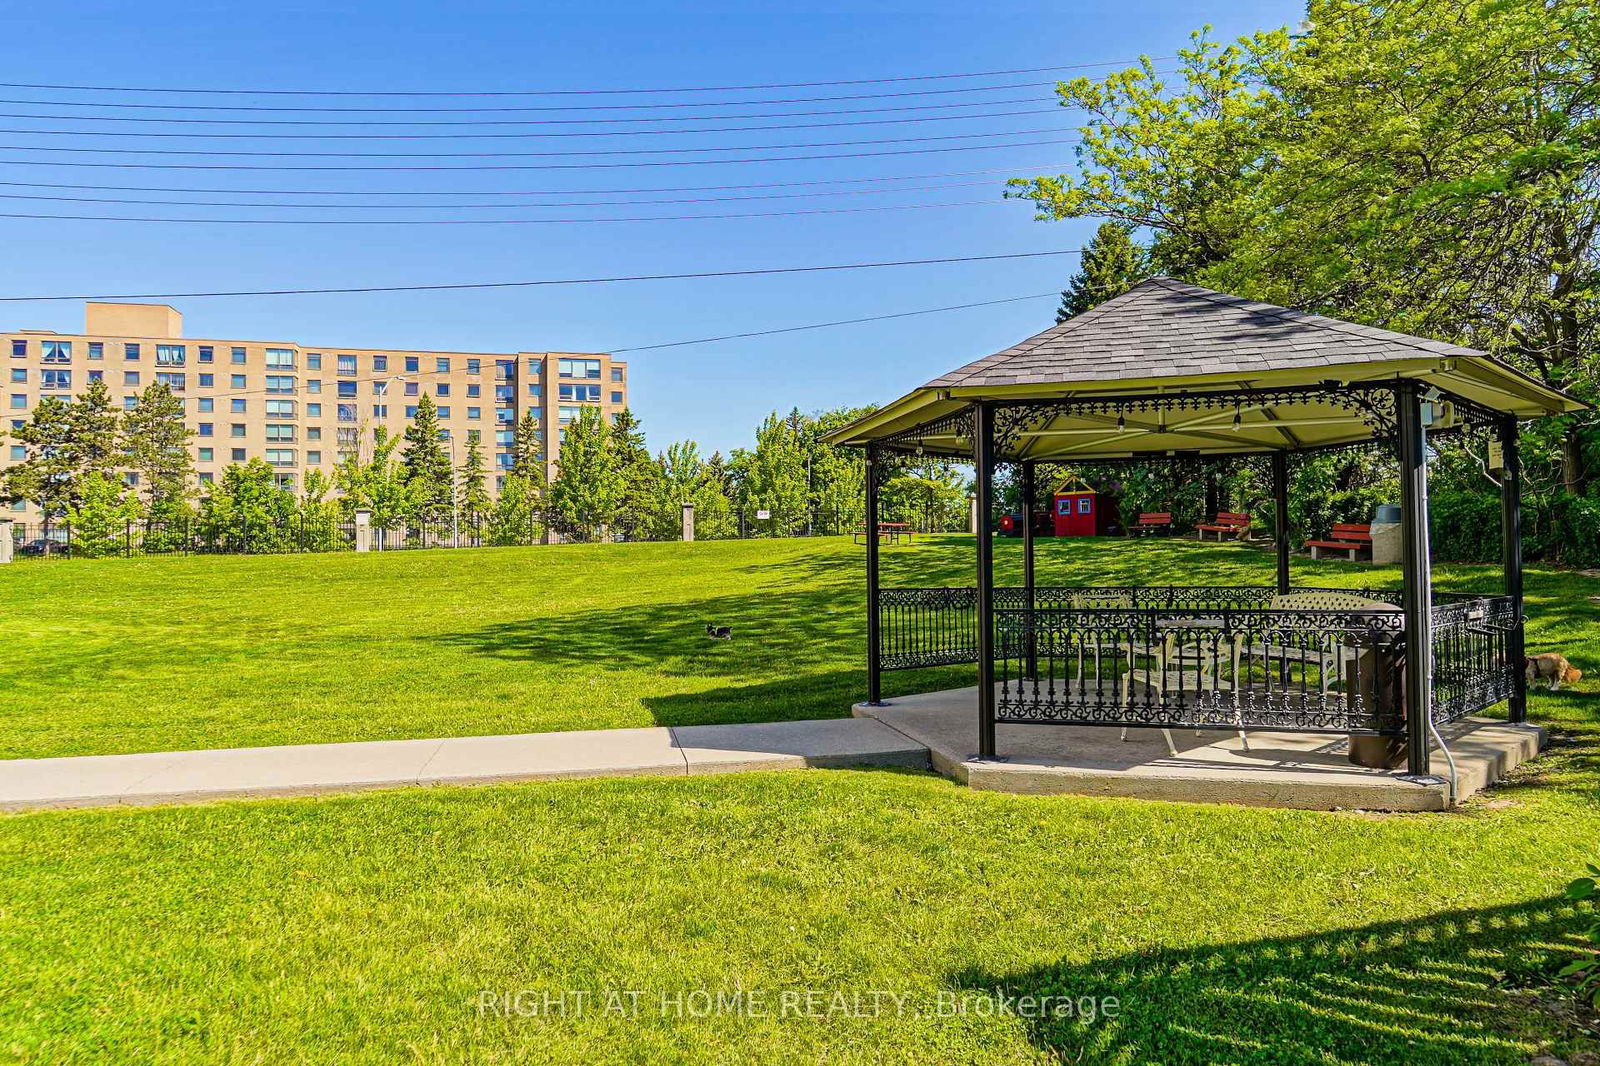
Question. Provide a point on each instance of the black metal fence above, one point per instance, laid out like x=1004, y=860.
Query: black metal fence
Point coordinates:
x=1311, y=660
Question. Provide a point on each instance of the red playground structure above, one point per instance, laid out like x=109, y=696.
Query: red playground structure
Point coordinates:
x=1082, y=512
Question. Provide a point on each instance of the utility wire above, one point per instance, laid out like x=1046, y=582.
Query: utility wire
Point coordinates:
x=538, y=192
x=457, y=286
x=580, y=92
x=516, y=166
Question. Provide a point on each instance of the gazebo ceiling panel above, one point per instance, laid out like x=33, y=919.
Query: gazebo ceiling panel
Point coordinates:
x=1166, y=344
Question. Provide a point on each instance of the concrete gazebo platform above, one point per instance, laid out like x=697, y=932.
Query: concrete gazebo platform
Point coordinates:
x=1296, y=770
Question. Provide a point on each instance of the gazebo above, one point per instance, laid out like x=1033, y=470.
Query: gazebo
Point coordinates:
x=1172, y=372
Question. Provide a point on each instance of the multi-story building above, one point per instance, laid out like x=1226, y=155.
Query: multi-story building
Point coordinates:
x=304, y=407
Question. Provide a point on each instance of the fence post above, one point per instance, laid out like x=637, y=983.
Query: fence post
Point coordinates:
x=127, y=541
x=363, y=531
x=688, y=522
x=6, y=543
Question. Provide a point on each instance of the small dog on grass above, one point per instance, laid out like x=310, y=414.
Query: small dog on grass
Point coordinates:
x=1551, y=667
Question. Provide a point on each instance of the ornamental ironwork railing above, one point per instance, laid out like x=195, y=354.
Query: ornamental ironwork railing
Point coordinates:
x=1220, y=657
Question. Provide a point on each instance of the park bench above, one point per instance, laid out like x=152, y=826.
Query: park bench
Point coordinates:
x=1347, y=537
x=888, y=533
x=1225, y=523
x=1152, y=522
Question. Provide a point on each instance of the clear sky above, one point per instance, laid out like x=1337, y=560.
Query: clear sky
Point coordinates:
x=712, y=393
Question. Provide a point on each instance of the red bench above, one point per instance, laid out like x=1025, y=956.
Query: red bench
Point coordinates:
x=1351, y=537
x=1226, y=523
x=1152, y=522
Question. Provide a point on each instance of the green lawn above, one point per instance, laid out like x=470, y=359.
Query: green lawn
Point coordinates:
x=157, y=654
x=367, y=928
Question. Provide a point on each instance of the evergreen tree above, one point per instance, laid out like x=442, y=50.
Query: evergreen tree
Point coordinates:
x=472, y=493
x=424, y=466
x=527, y=450
x=156, y=443
x=1111, y=265
x=587, y=491
x=102, y=516
x=49, y=475
x=640, y=476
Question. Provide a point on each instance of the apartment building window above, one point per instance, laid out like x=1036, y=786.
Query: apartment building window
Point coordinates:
x=347, y=412
x=505, y=394
x=380, y=388
x=441, y=389
x=313, y=384
x=206, y=479
x=412, y=389
x=236, y=381
x=206, y=454
x=569, y=414
x=206, y=429
x=444, y=412
x=474, y=435
x=411, y=410
x=313, y=410
x=131, y=480
x=280, y=383
x=207, y=404
x=313, y=360
x=579, y=368
x=207, y=380
x=97, y=349
x=535, y=366
x=616, y=374
x=19, y=451
x=505, y=437
x=535, y=390
x=19, y=374
x=19, y=400
x=347, y=364
x=616, y=397
x=170, y=355
x=505, y=460
x=19, y=349
x=55, y=351
x=280, y=359
x=97, y=375
x=474, y=366
x=444, y=433
x=237, y=405
x=280, y=433
x=413, y=364
x=505, y=369
x=380, y=362
x=347, y=390
x=349, y=438
x=580, y=393
x=474, y=390
x=380, y=410
x=130, y=353
x=474, y=413
x=236, y=356
x=237, y=455
x=207, y=354
x=313, y=457
x=236, y=429
x=313, y=433
x=174, y=381
x=55, y=379
x=505, y=415
x=130, y=377
x=282, y=408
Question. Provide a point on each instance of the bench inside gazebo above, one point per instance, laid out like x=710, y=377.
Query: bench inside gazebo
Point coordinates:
x=1306, y=696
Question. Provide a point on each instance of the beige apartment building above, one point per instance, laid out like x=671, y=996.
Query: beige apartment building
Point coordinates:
x=303, y=407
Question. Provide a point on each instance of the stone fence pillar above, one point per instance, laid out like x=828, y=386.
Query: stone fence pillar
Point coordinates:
x=363, y=531
x=6, y=543
x=688, y=522
x=972, y=515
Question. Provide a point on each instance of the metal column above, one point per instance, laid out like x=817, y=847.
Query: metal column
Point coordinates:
x=1280, y=516
x=1028, y=494
x=983, y=459
x=874, y=633
x=1417, y=594
x=1511, y=553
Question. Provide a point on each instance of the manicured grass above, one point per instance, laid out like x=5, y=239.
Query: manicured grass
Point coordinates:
x=157, y=654
x=365, y=928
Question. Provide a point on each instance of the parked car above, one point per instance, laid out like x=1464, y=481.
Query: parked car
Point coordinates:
x=44, y=546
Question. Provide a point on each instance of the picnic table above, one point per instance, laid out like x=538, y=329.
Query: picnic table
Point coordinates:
x=888, y=533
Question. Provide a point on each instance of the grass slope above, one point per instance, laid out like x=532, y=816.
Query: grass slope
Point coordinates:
x=157, y=654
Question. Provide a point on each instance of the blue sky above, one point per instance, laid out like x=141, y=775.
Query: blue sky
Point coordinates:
x=714, y=393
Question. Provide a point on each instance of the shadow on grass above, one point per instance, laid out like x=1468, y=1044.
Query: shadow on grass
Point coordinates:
x=1420, y=992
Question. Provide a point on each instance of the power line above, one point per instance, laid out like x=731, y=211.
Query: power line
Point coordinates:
x=838, y=322
x=526, y=135
x=519, y=155
x=519, y=166
x=532, y=192
x=491, y=221
x=457, y=286
x=577, y=92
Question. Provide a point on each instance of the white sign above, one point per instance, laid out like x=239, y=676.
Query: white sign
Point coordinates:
x=763, y=513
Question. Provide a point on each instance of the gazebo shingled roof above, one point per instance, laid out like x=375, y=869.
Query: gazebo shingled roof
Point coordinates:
x=1167, y=338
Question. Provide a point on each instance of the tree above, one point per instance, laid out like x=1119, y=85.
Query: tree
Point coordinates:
x=156, y=444
x=515, y=518
x=686, y=478
x=639, y=475
x=472, y=495
x=319, y=516
x=101, y=516
x=247, y=510
x=375, y=484
x=1111, y=265
x=527, y=450
x=65, y=441
x=424, y=466
x=587, y=491
x=773, y=476
x=838, y=475
x=95, y=430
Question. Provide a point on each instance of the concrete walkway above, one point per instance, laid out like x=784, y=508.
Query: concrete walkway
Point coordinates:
x=311, y=769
